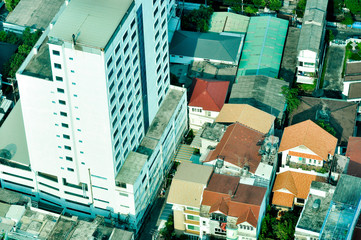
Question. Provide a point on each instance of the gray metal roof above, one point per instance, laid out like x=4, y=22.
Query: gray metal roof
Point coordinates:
x=216, y=46
x=312, y=25
x=35, y=13
x=131, y=168
x=261, y=92
x=92, y=22
x=348, y=190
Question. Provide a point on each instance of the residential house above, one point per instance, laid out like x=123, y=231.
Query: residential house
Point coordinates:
x=185, y=194
x=314, y=212
x=306, y=143
x=246, y=153
x=263, y=47
x=354, y=153
x=208, y=137
x=187, y=47
x=232, y=210
x=247, y=115
x=352, y=81
x=339, y=114
x=262, y=92
x=228, y=22
x=311, y=44
x=292, y=188
x=206, y=102
x=344, y=209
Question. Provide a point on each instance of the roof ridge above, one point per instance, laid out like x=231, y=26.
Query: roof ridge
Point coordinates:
x=209, y=94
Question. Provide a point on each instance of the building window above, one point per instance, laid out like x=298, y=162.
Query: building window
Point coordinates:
x=70, y=169
x=125, y=35
x=57, y=65
x=191, y=227
x=57, y=78
x=117, y=48
x=62, y=102
x=55, y=52
x=60, y=90
x=64, y=114
x=109, y=61
x=66, y=136
x=65, y=125
x=69, y=158
x=67, y=147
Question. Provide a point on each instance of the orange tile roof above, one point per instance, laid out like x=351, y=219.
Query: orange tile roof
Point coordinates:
x=209, y=94
x=309, y=134
x=283, y=199
x=247, y=115
x=354, y=153
x=234, y=199
x=304, y=155
x=297, y=183
x=230, y=149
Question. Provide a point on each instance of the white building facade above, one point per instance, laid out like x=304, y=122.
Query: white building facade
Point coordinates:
x=108, y=74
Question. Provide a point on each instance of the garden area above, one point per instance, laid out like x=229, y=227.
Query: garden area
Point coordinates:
x=353, y=52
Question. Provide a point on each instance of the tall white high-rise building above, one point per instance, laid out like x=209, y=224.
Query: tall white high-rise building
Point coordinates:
x=89, y=91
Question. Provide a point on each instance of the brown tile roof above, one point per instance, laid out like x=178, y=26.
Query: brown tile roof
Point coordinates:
x=246, y=115
x=234, y=199
x=312, y=136
x=304, y=155
x=283, y=199
x=354, y=153
x=355, y=90
x=342, y=115
x=209, y=94
x=353, y=68
x=239, y=147
x=297, y=183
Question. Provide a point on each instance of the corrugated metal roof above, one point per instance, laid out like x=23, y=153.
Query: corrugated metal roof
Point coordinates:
x=228, y=22
x=92, y=22
x=312, y=25
x=215, y=46
x=263, y=47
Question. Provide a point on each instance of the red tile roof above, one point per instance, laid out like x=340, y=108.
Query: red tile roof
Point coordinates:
x=209, y=94
x=309, y=134
x=354, y=153
x=225, y=195
x=295, y=182
x=238, y=146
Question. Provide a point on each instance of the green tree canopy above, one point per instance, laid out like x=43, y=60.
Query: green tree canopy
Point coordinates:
x=11, y=4
x=327, y=126
x=292, y=100
x=197, y=20
x=275, y=5
x=301, y=7
x=353, y=5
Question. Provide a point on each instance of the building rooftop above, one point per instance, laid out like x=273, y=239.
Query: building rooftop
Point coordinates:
x=40, y=65
x=131, y=168
x=262, y=92
x=209, y=94
x=339, y=113
x=36, y=14
x=354, y=91
x=11, y=197
x=92, y=22
x=353, y=71
x=13, y=146
x=316, y=207
x=312, y=26
x=84, y=230
x=247, y=115
x=213, y=131
x=354, y=153
x=343, y=209
x=297, y=183
x=225, y=194
x=215, y=46
x=228, y=22
x=119, y=234
x=63, y=228
x=310, y=135
x=230, y=150
x=165, y=112
x=188, y=184
x=4, y=208
x=263, y=47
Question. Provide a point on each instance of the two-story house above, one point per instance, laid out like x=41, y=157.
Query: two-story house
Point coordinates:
x=206, y=102
x=306, y=143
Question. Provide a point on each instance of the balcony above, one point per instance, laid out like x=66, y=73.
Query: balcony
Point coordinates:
x=306, y=167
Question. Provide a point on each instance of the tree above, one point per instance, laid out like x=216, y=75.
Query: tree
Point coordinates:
x=250, y=10
x=259, y=3
x=353, y=5
x=327, y=126
x=197, y=20
x=300, y=8
x=292, y=100
x=168, y=231
x=11, y=4
x=348, y=19
x=275, y=5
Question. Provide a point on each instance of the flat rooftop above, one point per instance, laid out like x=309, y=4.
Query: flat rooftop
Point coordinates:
x=228, y=22
x=213, y=131
x=120, y=234
x=313, y=215
x=36, y=14
x=131, y=168
x=40, y=65
x=92, y=22
x=63, y=228
x=12, y=137
x=164, y=114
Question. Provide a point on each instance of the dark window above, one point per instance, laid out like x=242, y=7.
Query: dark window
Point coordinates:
x=68, y=158
x=65, y=125
x=64, y=114
x=109, y=61
x=119, y=73
x=57, y=65
x=110, y=74
x=57, y=53
x=62, y=102
x=117, y=48
x=70, y=170
x=67, y=147
x=126, y=48
x=60, y=90
x=66, y=136
x=114, y=121
x=60, y=79
x=132, y=24
x=125, y=35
